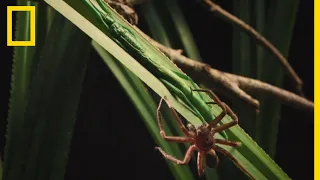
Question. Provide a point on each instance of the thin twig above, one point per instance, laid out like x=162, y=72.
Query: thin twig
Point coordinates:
x=268, y=45
x=233, y=86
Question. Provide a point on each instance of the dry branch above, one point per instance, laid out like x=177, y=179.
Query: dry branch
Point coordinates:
x=233, y=86
x=216, y=9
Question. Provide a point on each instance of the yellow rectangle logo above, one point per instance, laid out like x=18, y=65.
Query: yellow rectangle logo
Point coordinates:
x=32, y=41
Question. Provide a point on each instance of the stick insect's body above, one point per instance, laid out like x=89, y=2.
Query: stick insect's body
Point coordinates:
x=202, y=138
x=177, y=82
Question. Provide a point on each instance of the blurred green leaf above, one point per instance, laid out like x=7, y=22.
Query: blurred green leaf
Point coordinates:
x=145, y=106
x=24, y=63
x=242, y=63
x=43, y=143
x=171, y=16
x=156, y=25
x=183, y=30
x=249, y=155
x=279, y=32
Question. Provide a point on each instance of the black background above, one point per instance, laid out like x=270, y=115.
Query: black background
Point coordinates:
x=128, y=148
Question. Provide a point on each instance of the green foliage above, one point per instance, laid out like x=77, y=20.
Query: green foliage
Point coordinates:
x=279, y=31
x=39, y=152
x=47, y=81
x=258, y=163
x=145, y=105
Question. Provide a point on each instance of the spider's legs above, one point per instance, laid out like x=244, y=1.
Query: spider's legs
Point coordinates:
x=186, y=159
x=228, y=143
x=212, y=159
x=176, y=139
x=217, y=119
x=181, y=125
x=216, y=101
x=201, y=156
x=213, y=96
x=235, y=161
x=230, y=124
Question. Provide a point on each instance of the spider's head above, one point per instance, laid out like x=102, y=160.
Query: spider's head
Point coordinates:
x=204, y=137
x=203, y=130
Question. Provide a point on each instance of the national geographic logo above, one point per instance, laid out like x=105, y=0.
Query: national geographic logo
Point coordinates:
x=31, y=10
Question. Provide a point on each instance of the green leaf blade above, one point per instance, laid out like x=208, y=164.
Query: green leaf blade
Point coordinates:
x=145, y=106
x=155, y=84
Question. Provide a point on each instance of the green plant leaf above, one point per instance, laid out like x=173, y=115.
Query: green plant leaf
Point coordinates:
x=145, y=106
x=251, y=156
x=279, y=32
x=243, y=64
x=156, y=23
x=170, y=15
x=183, y=30
x=43, y=143
x=24, y=61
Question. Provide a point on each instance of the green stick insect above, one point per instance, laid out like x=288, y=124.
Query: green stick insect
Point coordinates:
x=202, y=137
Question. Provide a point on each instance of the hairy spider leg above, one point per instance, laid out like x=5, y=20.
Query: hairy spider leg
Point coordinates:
x=235, y=161
x=218, y=102
x=186, y=159
x=181, y=125
x=230, y=124
x=228, y=143
x=201, y=155
x=212, y=152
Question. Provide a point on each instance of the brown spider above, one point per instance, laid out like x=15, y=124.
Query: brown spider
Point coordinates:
x=202, y=138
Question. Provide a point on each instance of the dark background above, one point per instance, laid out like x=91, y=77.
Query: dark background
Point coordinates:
x=129, y=148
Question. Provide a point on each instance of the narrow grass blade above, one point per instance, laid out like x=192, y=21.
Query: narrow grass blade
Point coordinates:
x=171, y=16
x=260, y=10
x=153, y=20
x=183, y=30
x=156, y=26
x=158, y=32
x=50, y=16
x=242, y=64
x=42, y=146
x=145, y=106
x=251, y=156
x=24, y=62
x=279, y=32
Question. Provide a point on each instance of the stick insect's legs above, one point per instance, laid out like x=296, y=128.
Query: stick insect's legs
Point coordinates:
x=235, y=161
x=230, y=124
x=213, y=96
x=201, y=155
x=186, y=159
x=216, y=101
x=228, y=143
x=181, y=125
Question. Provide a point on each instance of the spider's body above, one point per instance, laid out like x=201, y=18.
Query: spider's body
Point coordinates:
x=202, y=138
